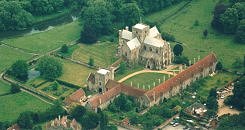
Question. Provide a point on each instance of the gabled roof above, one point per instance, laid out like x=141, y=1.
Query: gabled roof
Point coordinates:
x=75, y=97
x=115, y=88
x=181, y=77
x=154, y=41
x=132, y=44
x=127, y=35
x=153, y=32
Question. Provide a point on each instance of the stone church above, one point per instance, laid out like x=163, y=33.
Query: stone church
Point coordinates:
x=144, y=45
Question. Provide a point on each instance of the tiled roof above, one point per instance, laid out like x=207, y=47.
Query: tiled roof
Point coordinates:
x=182, y=76
x=96, y=101
x=114, y=89
x=76, y=96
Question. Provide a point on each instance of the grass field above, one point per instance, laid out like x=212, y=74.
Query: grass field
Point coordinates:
x=14, y=104
x=4, y=88
x=75, y=74
x=103, y=53
x=217, y=81
x=8, y=56
x=128, y=71
x=183, y=28
x=146, y=79
x=49, y=40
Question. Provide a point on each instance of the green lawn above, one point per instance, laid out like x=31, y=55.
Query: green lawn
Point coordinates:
x=75, y=74
x=8, y=56
x=217, y=81
x=14, y=104
x=49, y=40
x=103, y=53
x=182, y=27
x=4, y=88
x=128, y=71
x=146, y=79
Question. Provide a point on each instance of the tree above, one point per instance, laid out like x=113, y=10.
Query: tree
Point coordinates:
x=220, y=8
x=97, y=19
x=240, y=33
x=230, y=20
x=212, y=103
x=130, y=13
x=90, y=120
x=25, y=120
x=50, y=68
x=78, y=112
x=178, y=49
x=64, y=48
x=91, y=61
x=181, y=60
x=238, y=98
x=13, y=16
x=122, y=68
x=15, y=88
x=219, y=66
x=20, y=70
x=167, y=36
x=205, y=33
x=237, y=63
x=103, y=120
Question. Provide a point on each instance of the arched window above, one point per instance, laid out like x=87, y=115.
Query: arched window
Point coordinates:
x=150, y=49
x=144, y=47
x=156, y=50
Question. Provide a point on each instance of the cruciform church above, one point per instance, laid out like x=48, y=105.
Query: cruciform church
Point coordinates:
x=144, y=45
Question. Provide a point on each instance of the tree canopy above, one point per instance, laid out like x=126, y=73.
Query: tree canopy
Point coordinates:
x=19, y=70
x=178, y=49
x=50, y=68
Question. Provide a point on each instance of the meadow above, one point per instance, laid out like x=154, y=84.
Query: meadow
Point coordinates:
x=145, y=80
x=188, y=25
x=74, y=73
x=14, y=104
x=103, y=53
x=4, y=88
x=8, y=56
x=46, y=41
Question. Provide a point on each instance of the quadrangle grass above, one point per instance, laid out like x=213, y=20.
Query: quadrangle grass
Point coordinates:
x=48, y=40
x=103, y=53
x=146, y=79
x=183, y=28
x=14, y=104
x=8, y=56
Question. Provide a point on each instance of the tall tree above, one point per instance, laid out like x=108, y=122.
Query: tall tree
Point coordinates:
x=230, y=20
x=130, y=14
x=240, y=34
x=25, y=120
x=90, y=120
x=50, y=68
x=20, y=70
x=178, y=49
x=13, y=16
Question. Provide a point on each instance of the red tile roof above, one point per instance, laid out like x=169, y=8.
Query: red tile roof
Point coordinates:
x=182, y=76
x=114, y=89
x=75, y=97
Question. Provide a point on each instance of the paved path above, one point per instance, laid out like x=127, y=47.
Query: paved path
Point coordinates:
x=166, y=71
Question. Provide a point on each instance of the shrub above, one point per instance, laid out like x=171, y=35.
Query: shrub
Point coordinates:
x=15, y=88
x=168, y=37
